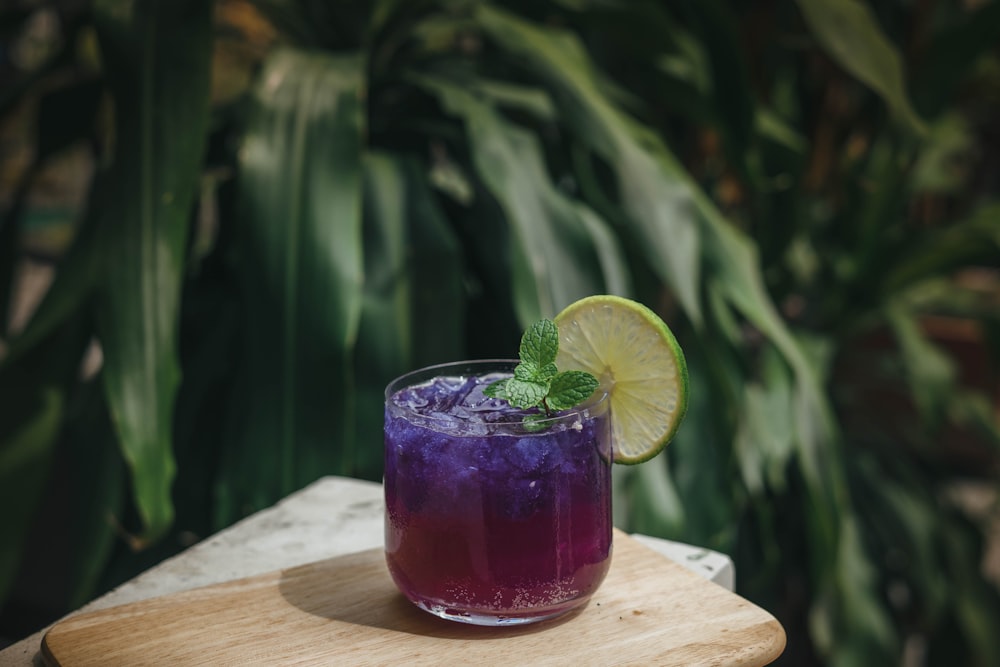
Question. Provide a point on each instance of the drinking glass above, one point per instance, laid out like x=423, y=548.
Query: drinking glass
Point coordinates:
x=491, y=519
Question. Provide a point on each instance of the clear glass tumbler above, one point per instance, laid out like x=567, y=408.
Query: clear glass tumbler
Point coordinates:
x=490, y=520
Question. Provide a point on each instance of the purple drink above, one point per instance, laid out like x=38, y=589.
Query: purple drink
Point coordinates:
x=487, y=521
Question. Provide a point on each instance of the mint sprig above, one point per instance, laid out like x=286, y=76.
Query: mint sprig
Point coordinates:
x=537, y=382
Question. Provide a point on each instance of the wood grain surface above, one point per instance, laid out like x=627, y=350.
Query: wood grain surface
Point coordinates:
x=346, y=611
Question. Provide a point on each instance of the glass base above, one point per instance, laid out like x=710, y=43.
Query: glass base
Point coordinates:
x=497, y=619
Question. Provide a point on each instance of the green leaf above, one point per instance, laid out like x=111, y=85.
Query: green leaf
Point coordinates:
x=384, y=348
x=547, y=372
x=930, y=372
x=526, y=372
x=530, y=100
x=766, y=439
x=570, y=388
x=537, y=377
x=299, y=240
x=498, y=389
x=941, y=167
x=413, y=271
x=849, y=32
x=436, y=265
x=649, y=498
x=535, y=423
x=161, y=96
x=734, y=261
x=769, y=125
x=539, y=344
x=525, y=395
x=862, y=615
x=974, y=410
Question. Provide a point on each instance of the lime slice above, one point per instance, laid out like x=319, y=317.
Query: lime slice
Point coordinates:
x=638, y=362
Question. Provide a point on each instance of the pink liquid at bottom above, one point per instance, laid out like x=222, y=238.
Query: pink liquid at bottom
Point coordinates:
x=482, y=567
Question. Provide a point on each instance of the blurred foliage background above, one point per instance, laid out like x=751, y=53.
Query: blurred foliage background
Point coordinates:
x=226, y=225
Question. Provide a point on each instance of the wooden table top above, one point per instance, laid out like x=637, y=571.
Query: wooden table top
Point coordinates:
x=346, y=611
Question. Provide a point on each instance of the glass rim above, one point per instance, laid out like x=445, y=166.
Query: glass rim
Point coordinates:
x=599, y=400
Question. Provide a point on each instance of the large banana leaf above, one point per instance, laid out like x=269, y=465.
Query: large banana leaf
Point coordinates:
x=299, y=237
x=161, y=117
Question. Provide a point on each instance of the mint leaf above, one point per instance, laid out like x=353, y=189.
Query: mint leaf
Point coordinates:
x=497, y=389
x=529, y=373
x=570, y=388
x=525, y=373
x=539, y=344
x=536, y=379
x=533, y=423
x=523, y=394
x=547, y=372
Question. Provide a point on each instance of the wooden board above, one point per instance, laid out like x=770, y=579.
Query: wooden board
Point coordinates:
x=346, y=611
